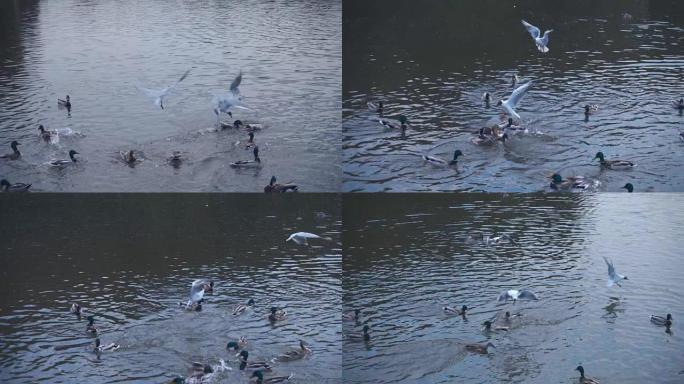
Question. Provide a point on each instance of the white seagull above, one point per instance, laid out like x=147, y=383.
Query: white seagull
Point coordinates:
x=542, y=41
x=301, y=237
x=613, y=276
x=514, y=294
x=159, y=94
x=232, y=100
x=510, y=103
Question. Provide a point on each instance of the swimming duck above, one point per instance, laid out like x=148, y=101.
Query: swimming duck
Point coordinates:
x=65, y=103
x=378, y=108
x=253, y=127
x=590, y=109
x=514, y=79
x=250, y=143
x=101, y=348
x=352, y=316
x=514, y=294
x=295, y=354
x=236, y=345
x=277, y=314
x=456, y=311
x=15, y=152
x=439, y=161
x=583, y=379
x=505, y=321
x=572, y=182
x=365, y=336
x=251, y=366
x=176, y=159
x=249, y=163
x=242, y=307
x=76, y=309
x=479, y=348
x=90, y=328
x=489, y=327
x=487, y=98
x=44, y=134
x=14, y=188
x=629, y=187
x=64, y=162
x=128, y=157
x=200, y=371
x=274, y=187
x=678, y=104
x=393, y=124
x=271, y=380
x=486, y=137
x=613, y=164
x=664, y=321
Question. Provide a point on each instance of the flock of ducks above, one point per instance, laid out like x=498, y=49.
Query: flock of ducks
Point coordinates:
x=501, y=132
x=224, y=104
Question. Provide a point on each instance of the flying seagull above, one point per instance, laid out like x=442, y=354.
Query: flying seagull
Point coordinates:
x=196, y=292
x=542, y=41
x=301, y=237
x=231, y=100
x=510, y=103
x=613, y=276
x=514, y=294
x=159, y=94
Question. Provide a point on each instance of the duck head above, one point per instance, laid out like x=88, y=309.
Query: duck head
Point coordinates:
x=14, y=144
x=366, y=328
x=208, y=369
x=403, y=120
x=556, y=178
x=243, y=355
x=68, y=98
x=499, y=103
x=90, y=319
x=599, y=155
x=457, y=153
x=251, y=137
x=587, y=109
x=504, y=137
x=232, y=345
x=357, y=312
x=273, y=310
x=464, y=308
x=230, y=114
x=508, y=314
x=629, y=187
x=250, y=302
x=5, y=184
x=41, y=128
x=580, y=369
x=71, y=155
x=237, y=123
x=510, y=122
x=487, y=325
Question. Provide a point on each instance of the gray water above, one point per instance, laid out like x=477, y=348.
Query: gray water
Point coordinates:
x=433, y=62
x=130, y=259
x=97, y=52
x=406, y=258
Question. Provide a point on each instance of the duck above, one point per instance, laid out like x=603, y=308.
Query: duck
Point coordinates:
x=249, y=163
x=15, y=152
x=376, y=107
x=439, y=161
x=663, y=321
x=487, y=326
x=572, y=182
x=678, y=104
x=14, y=188
x=236, y=345
x=274, y=187
x=250, y=143
x=583, y=379
x=352, y=316
x=456, y=311
x=393, y=124
x=64, y=103
x=365, y=336
x=76, y=309
x=251, y=366
x=277, y=314
x=487, y=98
x=295, y=354
x=176, y=159
x=243, y=307
x=506, y=320
x=200, y=371
x=90, y=328
x=514, y=79
x=129, y=157
x=486, y=137
x=271, y=380
x=629, y=187
x=613, y=164
x=44, y=134
x=479, y=348
x=253, y=127
x=64, y=162
x=101, y=348
x=590, y=109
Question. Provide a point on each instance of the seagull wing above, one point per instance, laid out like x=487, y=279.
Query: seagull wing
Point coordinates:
x=525, y=294
x=153, y=93
x=503, y=296
x=307, y=235
x=611, y=268
x=534, y=31
x=510, y=110
x=545, y=39
x=235, y=84
x=518, y=93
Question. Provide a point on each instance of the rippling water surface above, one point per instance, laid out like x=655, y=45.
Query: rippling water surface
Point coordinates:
x=97, y=52
x=131, y=259
x=433, y=62
x=407, y=258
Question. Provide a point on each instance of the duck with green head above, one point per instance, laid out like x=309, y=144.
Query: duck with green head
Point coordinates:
x=14, y=188
x=277, y=314
x=441, y=162
x=90, y=328
x=613, y=164
x=259, y=375
x=479, y=348
x=629, y=187
x=568, y=184
x=583, y=379
x=487, y=326
x=662, y=321
x=352, y=316
x=15, y=152
x=394, y=124
x=365, y=336
x=246, y=365
x=237, y=345
x=240, y=308
x=456, y=311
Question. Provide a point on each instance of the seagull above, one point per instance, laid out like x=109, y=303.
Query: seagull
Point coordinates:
x=232, y=100
x=541, y=42
x=301, y=237
x=613, y=276
x=196, y=293
x=510, y=103
x=159, y=94
x=515, y=295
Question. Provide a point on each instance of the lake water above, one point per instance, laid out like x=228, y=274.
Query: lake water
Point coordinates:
x=131, y=259
x=406, y=258
x=433, y=62
x=97, y=52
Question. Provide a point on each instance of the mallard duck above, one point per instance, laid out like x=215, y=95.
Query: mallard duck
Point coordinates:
x=236, y=345
x=514, y=79
x=456, y=311
x=629, y=187
x=90, y=328
x=393, y=124
x=15, y=152
x=251, y=128
x=678, y=104
x=590, y=109
x=663, y=321
x=479, y=348
x=365, y=336
x=583, y=379
x=76, y=309
x=487, y=98
x=295, y=354
x=242, y=307
x=271, y=380
x=101, y=348
x=253, y=365
x=277, y=314
x=14, y=188
x=128, y=157
x=274, y=187
x=613, y=164
x=44, y=134
x=199, y=372
x=64, y=103
x=176, y=159
x=515, y=295
x=64, y=162
x=378, y=108
x=439, y=161
x=572, y=182
x=487, y=326
x=352, y=316
x=249, y=163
